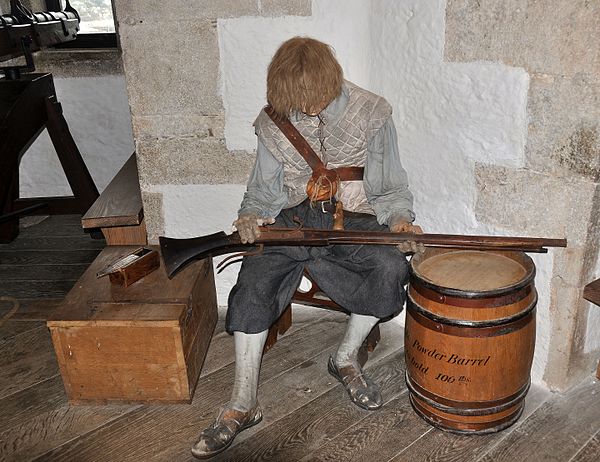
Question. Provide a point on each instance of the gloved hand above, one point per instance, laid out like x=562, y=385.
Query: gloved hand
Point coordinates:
x=399, y=224
x=247, y=226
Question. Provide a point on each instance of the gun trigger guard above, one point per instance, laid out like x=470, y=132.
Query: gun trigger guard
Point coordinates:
x=230, y=259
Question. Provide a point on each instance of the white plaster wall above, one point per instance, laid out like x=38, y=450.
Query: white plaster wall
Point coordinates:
x=97, y=112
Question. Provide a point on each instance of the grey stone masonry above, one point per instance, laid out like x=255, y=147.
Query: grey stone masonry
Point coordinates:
x=171, y=62
x=556, y=193
x=558, y=43
x=552, y=37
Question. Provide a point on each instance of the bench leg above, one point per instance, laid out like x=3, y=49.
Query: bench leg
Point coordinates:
x=278, y=328
x=126, y=235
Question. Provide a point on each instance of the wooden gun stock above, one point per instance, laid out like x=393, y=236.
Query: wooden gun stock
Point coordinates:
x=179, y=252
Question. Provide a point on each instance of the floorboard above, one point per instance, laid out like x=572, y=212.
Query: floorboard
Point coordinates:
x=36, y=309
x=377, y=437
x=12, y=328
x=590, y=452
x=438, y=445
x=55, y=243
x=25, y=360
x=47, y=257
x=317, y=422
x=37, y=289
x=309, y=380
x=21, y=273
x=55, y=225
x=556, y=431
x=38, y=418
x=31, y=402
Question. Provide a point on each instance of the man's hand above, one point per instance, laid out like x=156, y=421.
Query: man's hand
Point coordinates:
x=401, y=225
x=247, y=226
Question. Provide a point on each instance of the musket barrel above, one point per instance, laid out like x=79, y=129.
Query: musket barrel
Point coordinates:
x=179, y=252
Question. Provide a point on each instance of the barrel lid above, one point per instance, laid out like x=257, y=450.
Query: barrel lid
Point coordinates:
x=472, y=272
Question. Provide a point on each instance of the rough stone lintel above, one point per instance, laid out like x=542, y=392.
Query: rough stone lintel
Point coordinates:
x=75, y=63
x=79, y=63
x=179, y=125
x=137, y=12
x=191, y=160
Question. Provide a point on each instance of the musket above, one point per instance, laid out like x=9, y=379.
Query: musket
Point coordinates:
x=179, y=252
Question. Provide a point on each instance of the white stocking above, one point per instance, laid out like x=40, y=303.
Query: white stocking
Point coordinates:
x=357, y=331
x=248, y=356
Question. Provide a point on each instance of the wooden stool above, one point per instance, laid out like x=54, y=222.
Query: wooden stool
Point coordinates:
x=317, y=298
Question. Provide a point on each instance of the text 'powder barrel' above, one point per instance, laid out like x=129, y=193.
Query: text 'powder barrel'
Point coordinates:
x=470, y=337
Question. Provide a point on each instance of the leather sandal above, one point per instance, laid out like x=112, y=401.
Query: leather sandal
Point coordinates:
x=362, y=390
x=221, y=433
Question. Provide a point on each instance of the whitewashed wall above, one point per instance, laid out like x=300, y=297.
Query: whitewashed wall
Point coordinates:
x=97, y=112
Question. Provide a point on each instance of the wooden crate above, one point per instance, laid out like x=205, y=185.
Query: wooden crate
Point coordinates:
x=144, y=343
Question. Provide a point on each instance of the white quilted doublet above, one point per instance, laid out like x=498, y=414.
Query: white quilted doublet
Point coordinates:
x=345, y=143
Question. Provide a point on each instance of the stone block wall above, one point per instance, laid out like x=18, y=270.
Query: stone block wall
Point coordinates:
x=556, y=191
x=171, y=60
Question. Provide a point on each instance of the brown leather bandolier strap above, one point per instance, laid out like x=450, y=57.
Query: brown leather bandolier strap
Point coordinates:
x=308, y=153
x=350, y=173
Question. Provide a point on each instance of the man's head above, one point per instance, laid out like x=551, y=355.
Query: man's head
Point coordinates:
x=303, y=76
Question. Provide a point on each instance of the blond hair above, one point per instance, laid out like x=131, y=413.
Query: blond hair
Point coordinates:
x=303, y=74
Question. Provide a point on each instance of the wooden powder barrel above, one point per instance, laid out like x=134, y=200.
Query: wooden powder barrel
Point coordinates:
x=470, y=337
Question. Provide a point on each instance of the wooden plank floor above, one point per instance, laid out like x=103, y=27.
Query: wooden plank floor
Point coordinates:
x=307, y=415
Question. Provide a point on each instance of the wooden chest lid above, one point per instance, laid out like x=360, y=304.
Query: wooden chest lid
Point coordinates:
x=91, y=297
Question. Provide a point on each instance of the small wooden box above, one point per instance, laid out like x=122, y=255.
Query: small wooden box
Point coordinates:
x=144, y=343
x=125, y=274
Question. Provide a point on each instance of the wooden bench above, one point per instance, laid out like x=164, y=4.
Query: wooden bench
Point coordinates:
x=118, y=212
x=591, y=293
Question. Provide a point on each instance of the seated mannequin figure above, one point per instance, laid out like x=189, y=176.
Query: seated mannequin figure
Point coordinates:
x=346, y=126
